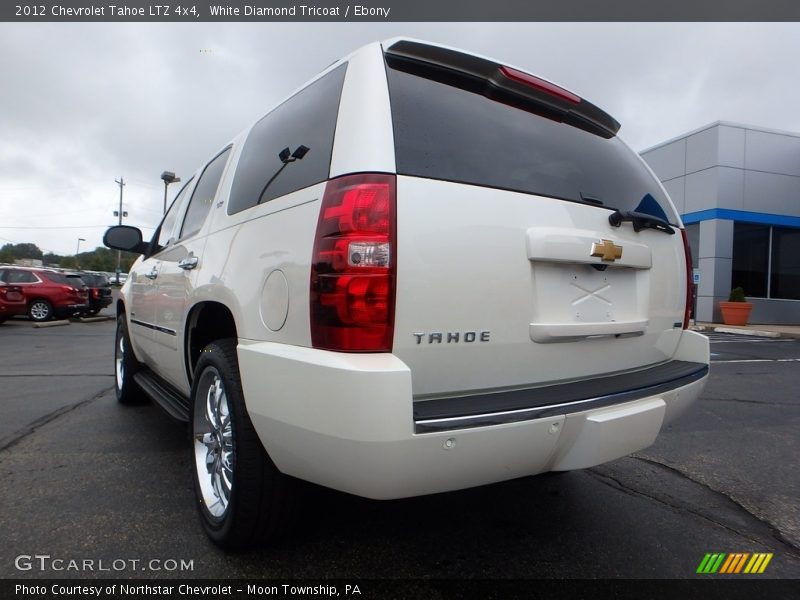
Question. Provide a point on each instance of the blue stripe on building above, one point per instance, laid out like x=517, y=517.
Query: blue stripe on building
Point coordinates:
x=745, y=216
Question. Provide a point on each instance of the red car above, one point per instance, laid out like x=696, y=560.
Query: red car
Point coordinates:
x=47, y=293
x=12, y=301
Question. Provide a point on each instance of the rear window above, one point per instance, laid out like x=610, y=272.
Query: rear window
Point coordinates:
x=449, y=133
x=93, y=280
x=306, y=119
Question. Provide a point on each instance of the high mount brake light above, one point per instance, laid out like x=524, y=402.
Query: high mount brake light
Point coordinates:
x=354, y=265
x=540, y=84
x=687, y=313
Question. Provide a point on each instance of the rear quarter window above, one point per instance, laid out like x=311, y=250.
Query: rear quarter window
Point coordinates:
x=12, y=276
x=445, y=132
x=62, y=279
x=306, y=119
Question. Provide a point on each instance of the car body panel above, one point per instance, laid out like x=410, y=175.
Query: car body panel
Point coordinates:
x=65, y=297
x=345, y=421
x=497, y=290
x=12, y=301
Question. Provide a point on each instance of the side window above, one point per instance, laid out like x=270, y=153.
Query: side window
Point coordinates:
x=20, y=277
x=166, y=229
x=306, y=119
x=203, y=196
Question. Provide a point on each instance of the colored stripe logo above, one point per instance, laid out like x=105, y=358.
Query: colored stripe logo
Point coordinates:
x=734, y=563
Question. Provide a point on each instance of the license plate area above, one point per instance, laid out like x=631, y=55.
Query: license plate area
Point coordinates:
x=574, y=301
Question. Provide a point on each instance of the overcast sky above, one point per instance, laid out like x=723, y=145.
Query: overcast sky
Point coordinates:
x=84, y=104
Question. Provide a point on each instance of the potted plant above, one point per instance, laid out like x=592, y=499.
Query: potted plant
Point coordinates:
x=737, y=309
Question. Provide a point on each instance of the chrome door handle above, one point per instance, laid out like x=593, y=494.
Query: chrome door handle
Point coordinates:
x=188, y=263
x=152, y=274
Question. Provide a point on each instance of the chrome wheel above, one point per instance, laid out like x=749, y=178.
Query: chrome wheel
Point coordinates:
x=119, y=362
x=213, y=443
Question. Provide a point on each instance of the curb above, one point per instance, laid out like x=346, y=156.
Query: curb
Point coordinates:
x=750, y=332
x=95, y=319
x=51, y=324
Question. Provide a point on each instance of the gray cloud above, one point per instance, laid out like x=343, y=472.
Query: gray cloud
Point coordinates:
x=83, y=104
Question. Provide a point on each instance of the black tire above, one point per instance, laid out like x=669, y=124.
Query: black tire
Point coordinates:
x=125, y=367
x=40, y=310
x=91, y=312
x=260, y=499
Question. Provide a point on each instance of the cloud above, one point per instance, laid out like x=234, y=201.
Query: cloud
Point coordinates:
x=84, y=104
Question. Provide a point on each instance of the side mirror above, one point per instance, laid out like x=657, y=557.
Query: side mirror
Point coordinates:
x=125, y=237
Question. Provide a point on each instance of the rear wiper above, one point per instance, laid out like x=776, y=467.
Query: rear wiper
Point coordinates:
x=640, y=221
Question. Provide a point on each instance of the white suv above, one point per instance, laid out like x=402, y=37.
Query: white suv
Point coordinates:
x=423, y=271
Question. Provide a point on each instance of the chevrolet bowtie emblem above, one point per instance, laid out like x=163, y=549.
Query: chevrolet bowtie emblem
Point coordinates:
x=608, y=251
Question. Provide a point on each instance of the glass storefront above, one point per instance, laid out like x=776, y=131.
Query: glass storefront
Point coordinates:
x=766, y=261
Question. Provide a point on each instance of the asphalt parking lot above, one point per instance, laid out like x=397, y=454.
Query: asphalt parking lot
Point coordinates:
x=85, y=478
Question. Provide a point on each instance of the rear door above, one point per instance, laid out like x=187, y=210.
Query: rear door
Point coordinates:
x=509, y=271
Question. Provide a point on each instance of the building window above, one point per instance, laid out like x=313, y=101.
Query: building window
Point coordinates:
x=750, y=258
x=693, y=235
x=766, y=261
x=785, y=276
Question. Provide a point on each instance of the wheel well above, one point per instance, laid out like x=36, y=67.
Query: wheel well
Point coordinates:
x=207, y=322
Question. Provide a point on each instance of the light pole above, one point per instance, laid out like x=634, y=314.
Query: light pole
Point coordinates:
x=77, y=251
x=121, y=213
x=168, y=177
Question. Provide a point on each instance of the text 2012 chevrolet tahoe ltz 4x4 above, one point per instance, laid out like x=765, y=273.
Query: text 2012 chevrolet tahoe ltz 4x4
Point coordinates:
x=423, y=271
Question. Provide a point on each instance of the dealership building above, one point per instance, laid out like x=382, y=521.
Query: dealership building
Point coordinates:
x=737, y=189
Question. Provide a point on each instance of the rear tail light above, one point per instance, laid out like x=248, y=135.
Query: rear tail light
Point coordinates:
x=353, y=267
x=687, y=251
x=540, y=84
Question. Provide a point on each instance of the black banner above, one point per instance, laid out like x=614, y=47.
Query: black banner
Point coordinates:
x=712, y=588
x=399, y=10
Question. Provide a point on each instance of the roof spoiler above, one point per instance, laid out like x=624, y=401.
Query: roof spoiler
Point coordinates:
x=501, y=83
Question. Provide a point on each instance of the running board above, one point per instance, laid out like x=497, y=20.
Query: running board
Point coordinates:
x=175, y=405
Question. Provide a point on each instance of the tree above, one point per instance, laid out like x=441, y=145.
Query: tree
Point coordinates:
x=99, y=259
x=28, y=250
x=50, y=259
x=7, y=253
x=11, y=252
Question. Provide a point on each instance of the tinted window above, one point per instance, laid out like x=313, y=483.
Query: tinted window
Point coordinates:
x=693, y=235
x=444, y=132
x=203, y=196
x=61, y=279
x=785, y=282
x=750, y=258
x=165, y=230
x=20, y=277
x=94, y=280
x=306, y=119
x=76, y=280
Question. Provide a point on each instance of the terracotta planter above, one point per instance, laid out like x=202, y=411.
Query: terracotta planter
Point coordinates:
x=735, y=313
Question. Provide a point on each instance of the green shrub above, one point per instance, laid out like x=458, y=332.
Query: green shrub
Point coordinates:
x=737, y=295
